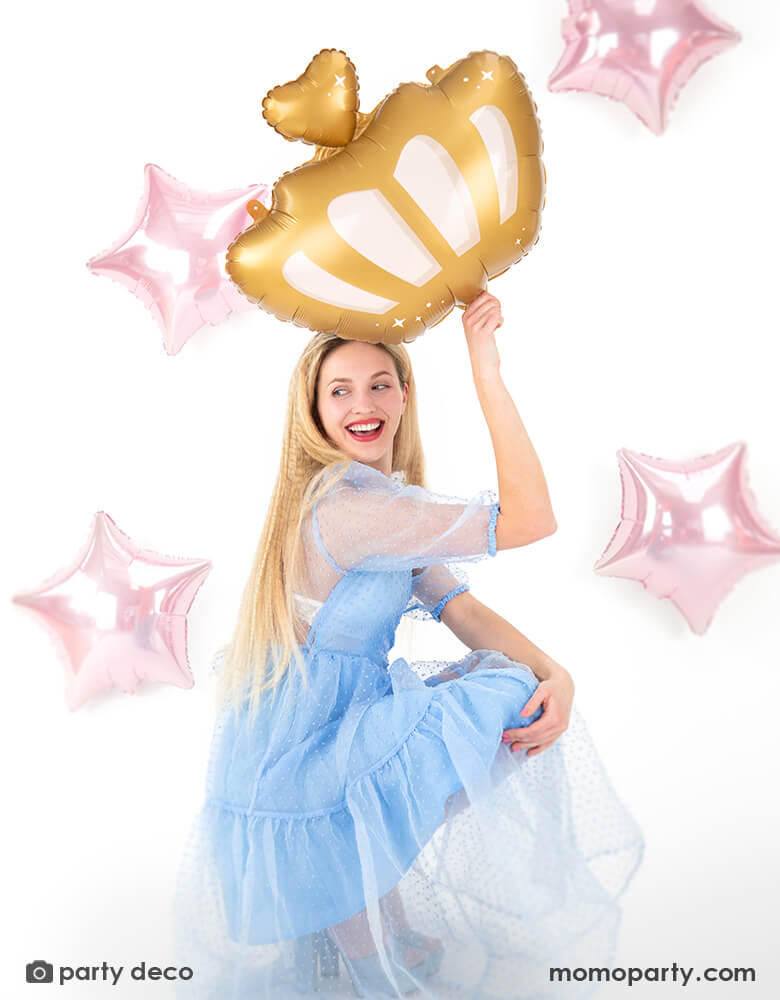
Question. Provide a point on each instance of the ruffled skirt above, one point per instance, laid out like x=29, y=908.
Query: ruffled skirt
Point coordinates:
x=324, y=848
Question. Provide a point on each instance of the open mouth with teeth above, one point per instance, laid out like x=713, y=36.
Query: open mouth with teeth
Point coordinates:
x=368, y=431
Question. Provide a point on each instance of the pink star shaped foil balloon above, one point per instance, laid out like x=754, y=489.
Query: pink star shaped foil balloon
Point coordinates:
x=640, y=52
x=689, y=530
x=173, y=256
x=119, y=614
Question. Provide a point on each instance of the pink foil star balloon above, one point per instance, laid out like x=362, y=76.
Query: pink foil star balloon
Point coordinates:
x=640, y=52
x=173, y=256
x=120, y=614
x=689, y=530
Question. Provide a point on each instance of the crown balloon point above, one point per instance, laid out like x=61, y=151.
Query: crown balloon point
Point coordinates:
x=256, y=209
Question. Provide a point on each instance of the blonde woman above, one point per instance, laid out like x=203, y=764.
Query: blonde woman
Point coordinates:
x=374, y=829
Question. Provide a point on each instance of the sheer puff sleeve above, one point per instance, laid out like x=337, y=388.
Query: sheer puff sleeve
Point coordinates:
x=372, y=522
x=432, y=587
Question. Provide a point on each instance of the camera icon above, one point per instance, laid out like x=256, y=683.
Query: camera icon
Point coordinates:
x=40, y=972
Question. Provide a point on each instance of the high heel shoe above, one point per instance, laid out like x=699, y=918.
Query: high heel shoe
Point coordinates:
x=416, y=940
x=329, y=955
x=319, y=948
x=367, y=974
x=312, y=950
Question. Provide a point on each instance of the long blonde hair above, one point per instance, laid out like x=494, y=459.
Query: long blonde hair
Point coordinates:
x=266, y=619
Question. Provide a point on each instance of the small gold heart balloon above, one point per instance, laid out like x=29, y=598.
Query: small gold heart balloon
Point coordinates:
x=440, y=189
x=320, y=107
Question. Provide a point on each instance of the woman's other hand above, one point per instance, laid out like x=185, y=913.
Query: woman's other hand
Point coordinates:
x=555, y=695
x=481, y=319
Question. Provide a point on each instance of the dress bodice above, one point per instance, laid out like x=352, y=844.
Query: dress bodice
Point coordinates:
x=362, y=613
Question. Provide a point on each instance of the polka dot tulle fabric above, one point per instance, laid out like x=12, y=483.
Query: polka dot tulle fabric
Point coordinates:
x=369, y=834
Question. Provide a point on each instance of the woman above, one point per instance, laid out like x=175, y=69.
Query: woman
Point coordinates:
x=371, y=828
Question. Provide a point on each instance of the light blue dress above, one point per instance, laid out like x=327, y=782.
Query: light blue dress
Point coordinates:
x=378, y=776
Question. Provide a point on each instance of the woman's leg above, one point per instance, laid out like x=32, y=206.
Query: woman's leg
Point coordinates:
x=393, y=911
x=354, y=936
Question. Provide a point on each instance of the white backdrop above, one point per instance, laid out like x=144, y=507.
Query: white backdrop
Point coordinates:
x=644, y=318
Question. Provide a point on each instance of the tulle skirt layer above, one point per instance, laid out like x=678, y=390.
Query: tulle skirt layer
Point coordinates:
x=403, y=816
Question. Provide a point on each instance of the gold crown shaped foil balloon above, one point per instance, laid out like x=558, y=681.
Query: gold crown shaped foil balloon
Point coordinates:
x=401, y=214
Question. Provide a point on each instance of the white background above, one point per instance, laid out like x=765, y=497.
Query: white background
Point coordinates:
x=644, y=318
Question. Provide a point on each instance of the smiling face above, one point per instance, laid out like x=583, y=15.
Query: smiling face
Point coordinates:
x=358, y=385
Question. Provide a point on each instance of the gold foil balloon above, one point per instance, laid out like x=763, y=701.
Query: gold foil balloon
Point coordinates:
x=398, y=219
x=321, y=106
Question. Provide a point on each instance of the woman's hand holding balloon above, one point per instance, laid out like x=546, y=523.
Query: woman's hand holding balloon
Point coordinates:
x=481, y=319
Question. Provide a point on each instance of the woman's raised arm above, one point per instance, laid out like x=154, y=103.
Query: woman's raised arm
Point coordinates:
x=525, y=513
